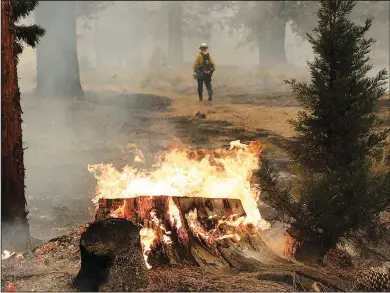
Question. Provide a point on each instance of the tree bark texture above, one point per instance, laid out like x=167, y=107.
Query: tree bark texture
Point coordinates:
x=15, y=230
x=111, y=258
x=175, y=35
x=192, y=231
x=57, y=63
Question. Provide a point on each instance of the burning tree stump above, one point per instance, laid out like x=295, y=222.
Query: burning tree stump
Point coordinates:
x=111, y=258
x=209, y=232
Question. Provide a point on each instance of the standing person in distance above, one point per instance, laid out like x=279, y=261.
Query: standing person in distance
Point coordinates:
x=204, y=68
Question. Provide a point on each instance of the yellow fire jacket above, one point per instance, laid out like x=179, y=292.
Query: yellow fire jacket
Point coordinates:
x=199, y=61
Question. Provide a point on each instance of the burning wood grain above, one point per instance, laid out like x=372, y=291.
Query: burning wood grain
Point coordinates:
x=181, y=230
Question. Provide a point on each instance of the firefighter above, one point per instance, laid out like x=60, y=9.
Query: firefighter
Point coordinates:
x=204, y=68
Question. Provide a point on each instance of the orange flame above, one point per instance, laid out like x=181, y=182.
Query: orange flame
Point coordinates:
x=9, y=287
x=181, y=172
x=148, y=241
x=174, y=214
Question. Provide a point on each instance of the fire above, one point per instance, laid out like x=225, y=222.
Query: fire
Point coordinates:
x=16, y=257
x=180, y=171
x=119, y=212
x=148, y=239
x=6, y=254
x=214, y=235
x=174, y=215
x=9, y=287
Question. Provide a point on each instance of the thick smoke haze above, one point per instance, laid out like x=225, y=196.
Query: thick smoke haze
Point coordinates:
x=115, y=49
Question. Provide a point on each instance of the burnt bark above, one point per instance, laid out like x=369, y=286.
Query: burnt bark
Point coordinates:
x=15, y=229
x=111, y=258
x=197, y=231
x=175, y=34
x=57, y=63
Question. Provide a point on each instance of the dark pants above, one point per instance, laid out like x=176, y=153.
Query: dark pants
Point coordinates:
x=207, y=80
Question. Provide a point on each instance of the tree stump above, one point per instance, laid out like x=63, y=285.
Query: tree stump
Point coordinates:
x=209, y=232
x=111, y=258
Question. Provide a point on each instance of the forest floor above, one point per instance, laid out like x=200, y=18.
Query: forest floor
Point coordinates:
x=148, y=109
x=123, y=107
x=64, y=136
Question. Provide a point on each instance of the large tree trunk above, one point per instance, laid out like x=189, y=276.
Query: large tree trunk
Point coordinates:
x=57, y=63
x=15, y=230
x=271, y=42
x=175, y=38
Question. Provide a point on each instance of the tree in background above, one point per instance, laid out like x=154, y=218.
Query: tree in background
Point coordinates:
x=15, y=228
x=337, y=196
x=88, y=12
x=57, y=60
x=165, y=22
x=185, y=19
x=263, y=24
x=303, y=16
x=175, y=33
x=199, y=20
x=57, y=63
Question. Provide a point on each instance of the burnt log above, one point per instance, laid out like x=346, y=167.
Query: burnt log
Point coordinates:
x=209, y=232
x=111, y=258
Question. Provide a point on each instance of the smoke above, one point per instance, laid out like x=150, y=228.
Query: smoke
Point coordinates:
x=64, y=135
x=14, y=236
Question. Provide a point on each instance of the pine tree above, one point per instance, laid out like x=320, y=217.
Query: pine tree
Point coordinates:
x=337, y=196
x=29, y=34
x=339, y=127
x=15, y=228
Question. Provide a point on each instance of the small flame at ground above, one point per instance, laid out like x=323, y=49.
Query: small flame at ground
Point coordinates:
x=6, y=254
x=148, y=240
x=180, y=171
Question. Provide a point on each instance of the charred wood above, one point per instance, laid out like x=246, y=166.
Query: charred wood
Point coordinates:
x=111, y=258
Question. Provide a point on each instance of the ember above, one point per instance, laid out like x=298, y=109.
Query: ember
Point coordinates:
x=9, y=287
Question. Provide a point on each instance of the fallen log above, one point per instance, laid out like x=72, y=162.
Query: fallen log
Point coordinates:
x=209, y=232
